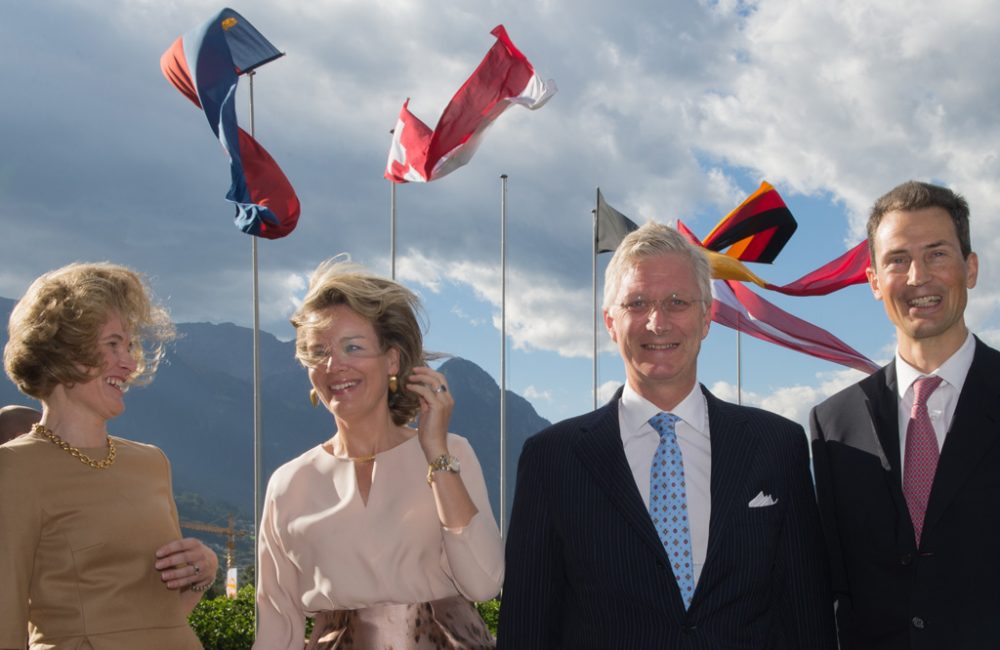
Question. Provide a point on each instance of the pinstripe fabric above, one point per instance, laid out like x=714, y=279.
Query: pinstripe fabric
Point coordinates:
x=585, y=567
x=881, y=581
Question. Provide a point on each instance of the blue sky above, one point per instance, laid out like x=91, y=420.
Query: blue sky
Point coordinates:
x=676, y=110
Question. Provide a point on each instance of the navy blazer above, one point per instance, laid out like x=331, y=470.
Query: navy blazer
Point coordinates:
x=891, y=594
x=585, y=568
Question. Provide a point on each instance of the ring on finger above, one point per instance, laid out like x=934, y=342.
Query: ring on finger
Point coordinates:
x=197, y=569
x=441, y=389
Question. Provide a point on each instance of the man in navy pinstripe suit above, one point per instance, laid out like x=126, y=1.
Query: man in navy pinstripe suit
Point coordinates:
x=586, y=567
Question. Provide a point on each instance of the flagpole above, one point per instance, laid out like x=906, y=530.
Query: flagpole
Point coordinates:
x=739, y=362
x=258, y=465
x=593, y=285
x=503, y=354
x=392, y=229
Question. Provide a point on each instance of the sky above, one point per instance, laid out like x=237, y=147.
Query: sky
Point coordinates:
x=674, y=109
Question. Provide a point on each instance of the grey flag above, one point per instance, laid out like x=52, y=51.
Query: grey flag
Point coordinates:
x=612, y=226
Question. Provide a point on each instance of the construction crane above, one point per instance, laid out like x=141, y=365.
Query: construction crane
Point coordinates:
x=229, y=531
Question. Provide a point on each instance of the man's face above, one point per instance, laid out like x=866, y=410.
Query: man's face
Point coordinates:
x=921, y=278
x=660, y=345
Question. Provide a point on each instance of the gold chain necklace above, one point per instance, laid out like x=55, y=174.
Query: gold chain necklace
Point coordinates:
x=76, y=453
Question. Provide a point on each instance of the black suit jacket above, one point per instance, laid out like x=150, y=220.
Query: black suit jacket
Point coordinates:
x=585, y=568
x=890, y=594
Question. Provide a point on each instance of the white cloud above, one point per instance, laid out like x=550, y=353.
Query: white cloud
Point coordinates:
x=531, y=393
x=793, y=402
x=607, y=390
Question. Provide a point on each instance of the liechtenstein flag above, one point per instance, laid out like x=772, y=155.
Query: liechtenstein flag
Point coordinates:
x=205, y=64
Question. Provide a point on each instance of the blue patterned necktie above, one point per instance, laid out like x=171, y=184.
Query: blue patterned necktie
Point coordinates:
x=668, y=503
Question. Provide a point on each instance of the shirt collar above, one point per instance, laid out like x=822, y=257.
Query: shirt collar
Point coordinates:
x=635, y=411
x=953, y=371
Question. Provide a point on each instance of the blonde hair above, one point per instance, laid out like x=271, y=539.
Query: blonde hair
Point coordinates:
x=54, y=328
x=651, y=240
x=391, y=308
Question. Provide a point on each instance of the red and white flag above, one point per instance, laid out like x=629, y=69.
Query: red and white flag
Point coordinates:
x=504, y=77
x=735, y=306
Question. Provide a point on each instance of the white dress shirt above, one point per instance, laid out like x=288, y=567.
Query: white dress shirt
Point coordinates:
x=942, y=402
x=640, y=440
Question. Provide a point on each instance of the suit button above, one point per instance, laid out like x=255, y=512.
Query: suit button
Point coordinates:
x=905, y=559
x=918, y=622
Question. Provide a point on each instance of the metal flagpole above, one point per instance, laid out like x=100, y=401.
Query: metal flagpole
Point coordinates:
x=503, y=354
x=739, y=363
x=594, y=287
x=392, y=225
x=392, y=230
x=258, y=464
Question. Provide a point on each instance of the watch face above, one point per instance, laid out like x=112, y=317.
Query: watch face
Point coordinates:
x=454, y=465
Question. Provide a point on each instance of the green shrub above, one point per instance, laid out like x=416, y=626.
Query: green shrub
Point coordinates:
x=224, y=623
x=490, y=611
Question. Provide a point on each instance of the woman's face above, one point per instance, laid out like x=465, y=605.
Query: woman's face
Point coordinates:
x=103, y=395
x=346, y=364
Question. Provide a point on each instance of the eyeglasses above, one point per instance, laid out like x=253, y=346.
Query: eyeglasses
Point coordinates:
x=644, y=307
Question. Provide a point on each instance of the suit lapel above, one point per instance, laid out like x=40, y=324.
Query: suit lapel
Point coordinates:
x=599, y=448
x=974, y=429
x=732, y=450
x=882, y=402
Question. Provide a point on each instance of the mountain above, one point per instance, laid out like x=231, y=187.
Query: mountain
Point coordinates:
x=199, y=410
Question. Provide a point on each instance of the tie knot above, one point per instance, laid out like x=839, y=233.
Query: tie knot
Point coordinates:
x=664, y=423
x=923, y=387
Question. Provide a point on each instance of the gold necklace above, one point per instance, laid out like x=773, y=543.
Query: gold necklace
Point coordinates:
x=362, y=459
x=74, y=452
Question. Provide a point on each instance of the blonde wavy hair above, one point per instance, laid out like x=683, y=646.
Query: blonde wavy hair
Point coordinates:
x=393, y=310
x=54, y=328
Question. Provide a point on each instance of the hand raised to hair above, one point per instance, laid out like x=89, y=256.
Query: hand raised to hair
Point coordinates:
x=436, y=404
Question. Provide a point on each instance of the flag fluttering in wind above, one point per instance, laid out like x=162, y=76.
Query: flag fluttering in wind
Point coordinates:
x=504, y=77
x=735, y=306
x=756, y=231
x=612, y=226
x=204, y=65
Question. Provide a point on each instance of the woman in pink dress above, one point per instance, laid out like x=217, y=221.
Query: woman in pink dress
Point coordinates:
x=384, y=533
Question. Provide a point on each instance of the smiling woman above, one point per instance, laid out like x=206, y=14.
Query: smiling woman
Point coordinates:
x=384, y=533
x=92, y=555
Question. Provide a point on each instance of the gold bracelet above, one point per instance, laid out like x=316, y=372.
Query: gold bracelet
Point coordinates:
x=201, y=588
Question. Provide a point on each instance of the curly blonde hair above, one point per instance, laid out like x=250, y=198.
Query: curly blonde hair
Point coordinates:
x=391, y=308
x=54, y=328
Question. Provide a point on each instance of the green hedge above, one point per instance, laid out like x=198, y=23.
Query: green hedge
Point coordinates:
x=227, y=624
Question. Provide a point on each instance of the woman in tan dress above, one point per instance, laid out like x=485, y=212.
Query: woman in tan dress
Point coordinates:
x=383, y=533
x=92, y=555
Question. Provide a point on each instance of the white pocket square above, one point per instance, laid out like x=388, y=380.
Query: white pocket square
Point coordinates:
x=762, y=500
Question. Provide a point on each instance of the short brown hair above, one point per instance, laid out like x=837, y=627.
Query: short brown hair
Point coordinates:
x=391, y=308
x=914, y=195
x=54, y=328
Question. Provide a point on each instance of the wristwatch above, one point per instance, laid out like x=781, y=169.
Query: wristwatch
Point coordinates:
x=444, y=462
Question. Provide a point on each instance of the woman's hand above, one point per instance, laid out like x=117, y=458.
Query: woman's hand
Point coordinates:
x=436, y=404
x=185, y=563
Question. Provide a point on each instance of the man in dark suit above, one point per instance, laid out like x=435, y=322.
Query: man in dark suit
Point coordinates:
x=667, y=518
x=908, y=460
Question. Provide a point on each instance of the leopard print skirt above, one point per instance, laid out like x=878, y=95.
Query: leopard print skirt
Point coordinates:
x=446, y=624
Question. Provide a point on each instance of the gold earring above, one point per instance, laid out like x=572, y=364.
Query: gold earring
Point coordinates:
x=313, y=397
x=393, y=383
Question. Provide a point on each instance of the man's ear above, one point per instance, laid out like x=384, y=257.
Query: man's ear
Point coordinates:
x=873, y=282
x=609, y=324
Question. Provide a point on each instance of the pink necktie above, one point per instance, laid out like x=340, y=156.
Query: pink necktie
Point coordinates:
x=921, y=454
